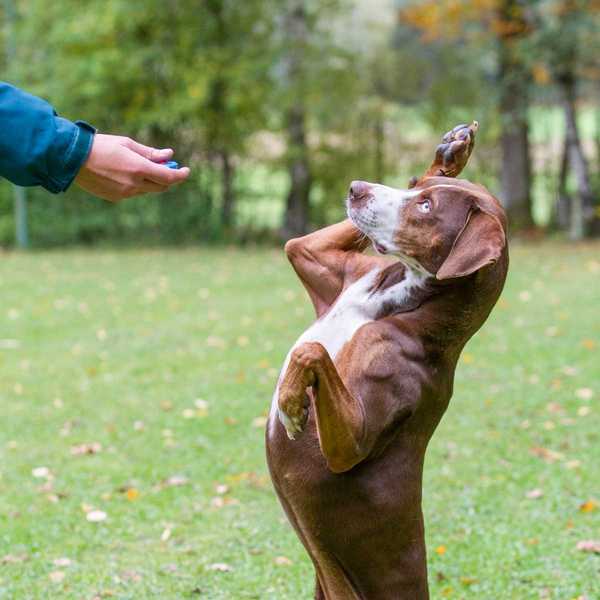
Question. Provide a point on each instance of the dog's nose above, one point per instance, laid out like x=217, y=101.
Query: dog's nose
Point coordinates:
x=359, y=190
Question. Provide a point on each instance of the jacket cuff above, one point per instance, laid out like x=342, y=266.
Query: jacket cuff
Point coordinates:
x=71, y=156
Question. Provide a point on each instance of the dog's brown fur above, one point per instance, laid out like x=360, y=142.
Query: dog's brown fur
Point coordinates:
x=351, y=483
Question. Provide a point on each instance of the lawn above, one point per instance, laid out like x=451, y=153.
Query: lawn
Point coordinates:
x=134, y=386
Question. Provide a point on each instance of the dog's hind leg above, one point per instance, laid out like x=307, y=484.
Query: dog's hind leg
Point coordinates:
x=319, y=594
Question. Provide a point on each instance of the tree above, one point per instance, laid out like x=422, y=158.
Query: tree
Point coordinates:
x=561, y=25
x=513, y=79
x=470, y=23
x=295, y=26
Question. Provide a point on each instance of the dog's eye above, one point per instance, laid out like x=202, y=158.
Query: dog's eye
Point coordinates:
x=425, y=206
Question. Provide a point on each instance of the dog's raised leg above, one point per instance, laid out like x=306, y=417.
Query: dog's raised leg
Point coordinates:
x=452, y=155
x=339, y=415
x=321, y=260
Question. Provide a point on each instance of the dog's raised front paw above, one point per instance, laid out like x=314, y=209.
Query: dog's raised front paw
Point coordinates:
x=293, y=425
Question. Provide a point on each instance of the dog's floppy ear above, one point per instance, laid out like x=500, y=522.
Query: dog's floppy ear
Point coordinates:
x=479, y=243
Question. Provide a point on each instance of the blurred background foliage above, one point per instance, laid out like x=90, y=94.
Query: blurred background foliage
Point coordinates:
x=278, y=104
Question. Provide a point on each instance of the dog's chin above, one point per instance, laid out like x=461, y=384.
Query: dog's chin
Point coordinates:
x=379, y=247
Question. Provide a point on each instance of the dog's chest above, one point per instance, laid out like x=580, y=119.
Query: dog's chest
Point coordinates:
x=356, y=306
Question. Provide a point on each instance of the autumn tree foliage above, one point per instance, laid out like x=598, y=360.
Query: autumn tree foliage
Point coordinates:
x=535, y=45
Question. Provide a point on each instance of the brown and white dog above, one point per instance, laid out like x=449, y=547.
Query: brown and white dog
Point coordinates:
x=363, y=389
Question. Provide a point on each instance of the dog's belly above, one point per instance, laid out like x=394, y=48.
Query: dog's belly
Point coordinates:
x=364, y=522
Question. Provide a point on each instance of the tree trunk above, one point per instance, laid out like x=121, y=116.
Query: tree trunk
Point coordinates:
x=582, y=203
x=379, y=135
x=296, y=216
x=228, y=200
x=514, y=103
x=563, y=205
x=216, y=111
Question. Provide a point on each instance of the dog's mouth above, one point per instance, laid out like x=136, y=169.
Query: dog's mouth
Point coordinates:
x=379, y=248
x=367, y=226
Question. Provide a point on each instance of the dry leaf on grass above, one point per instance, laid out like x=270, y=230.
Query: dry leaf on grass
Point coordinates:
x=62, y=562
x=589, y=546
x=82, y=449
x=546, y=454
x=11, y=559
x=283, y=561
x=222, y=567
x=259, y=422
x=585, y=393
x=40, y=472
x=534, y=494
x=96, y=516
x=589, y=506
x=56, y=576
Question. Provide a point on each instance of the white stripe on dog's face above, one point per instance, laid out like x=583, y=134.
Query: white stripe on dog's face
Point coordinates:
x=379, y=216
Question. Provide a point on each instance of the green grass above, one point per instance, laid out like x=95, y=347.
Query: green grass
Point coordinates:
x=93, y=342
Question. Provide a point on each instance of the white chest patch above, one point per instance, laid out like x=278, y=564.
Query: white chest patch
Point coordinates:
x=354, y=307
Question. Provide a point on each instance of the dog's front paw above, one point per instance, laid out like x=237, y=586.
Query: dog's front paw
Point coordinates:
x=453, y=153
x=294, y=426
x=293, y=410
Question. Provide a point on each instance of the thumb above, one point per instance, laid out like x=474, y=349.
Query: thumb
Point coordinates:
x=153, y=154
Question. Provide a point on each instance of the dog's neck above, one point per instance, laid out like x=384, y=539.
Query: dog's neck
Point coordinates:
x=401, y=288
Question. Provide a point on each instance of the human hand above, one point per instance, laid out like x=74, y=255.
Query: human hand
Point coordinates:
x=119, y=167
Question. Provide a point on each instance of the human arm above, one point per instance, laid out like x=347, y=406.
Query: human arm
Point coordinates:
x=37, y=147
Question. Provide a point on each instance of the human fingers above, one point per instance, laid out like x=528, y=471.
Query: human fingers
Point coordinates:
x=149, y=187
x=162, y=175
x=152, y=154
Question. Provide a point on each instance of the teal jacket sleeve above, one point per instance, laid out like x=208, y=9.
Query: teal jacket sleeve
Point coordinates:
x=37, y=147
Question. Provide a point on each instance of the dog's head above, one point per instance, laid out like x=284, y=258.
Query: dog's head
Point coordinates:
x=447, y=227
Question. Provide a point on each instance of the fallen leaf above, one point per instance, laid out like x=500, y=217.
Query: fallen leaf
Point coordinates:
x=259, y=422
x=441, y=550
x=40, y=472
x=222, y=567
x=585, y=393
x=176, y=481
x=221, y=489
x=201, y=404
x=57, y=576
x=166, y=534
x=132, y=494
x=546, y=454
x=534, y=494
x=584, y=411
x=588, y=507
x=589, y=546
x=283, y=561
x=466, y=580
x=81, y=449
x=62, y=562
x=525, y=296
x=588, y=344
x=8, y=559
x=96, y=516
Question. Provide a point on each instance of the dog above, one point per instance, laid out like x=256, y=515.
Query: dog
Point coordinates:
x=363, y=389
